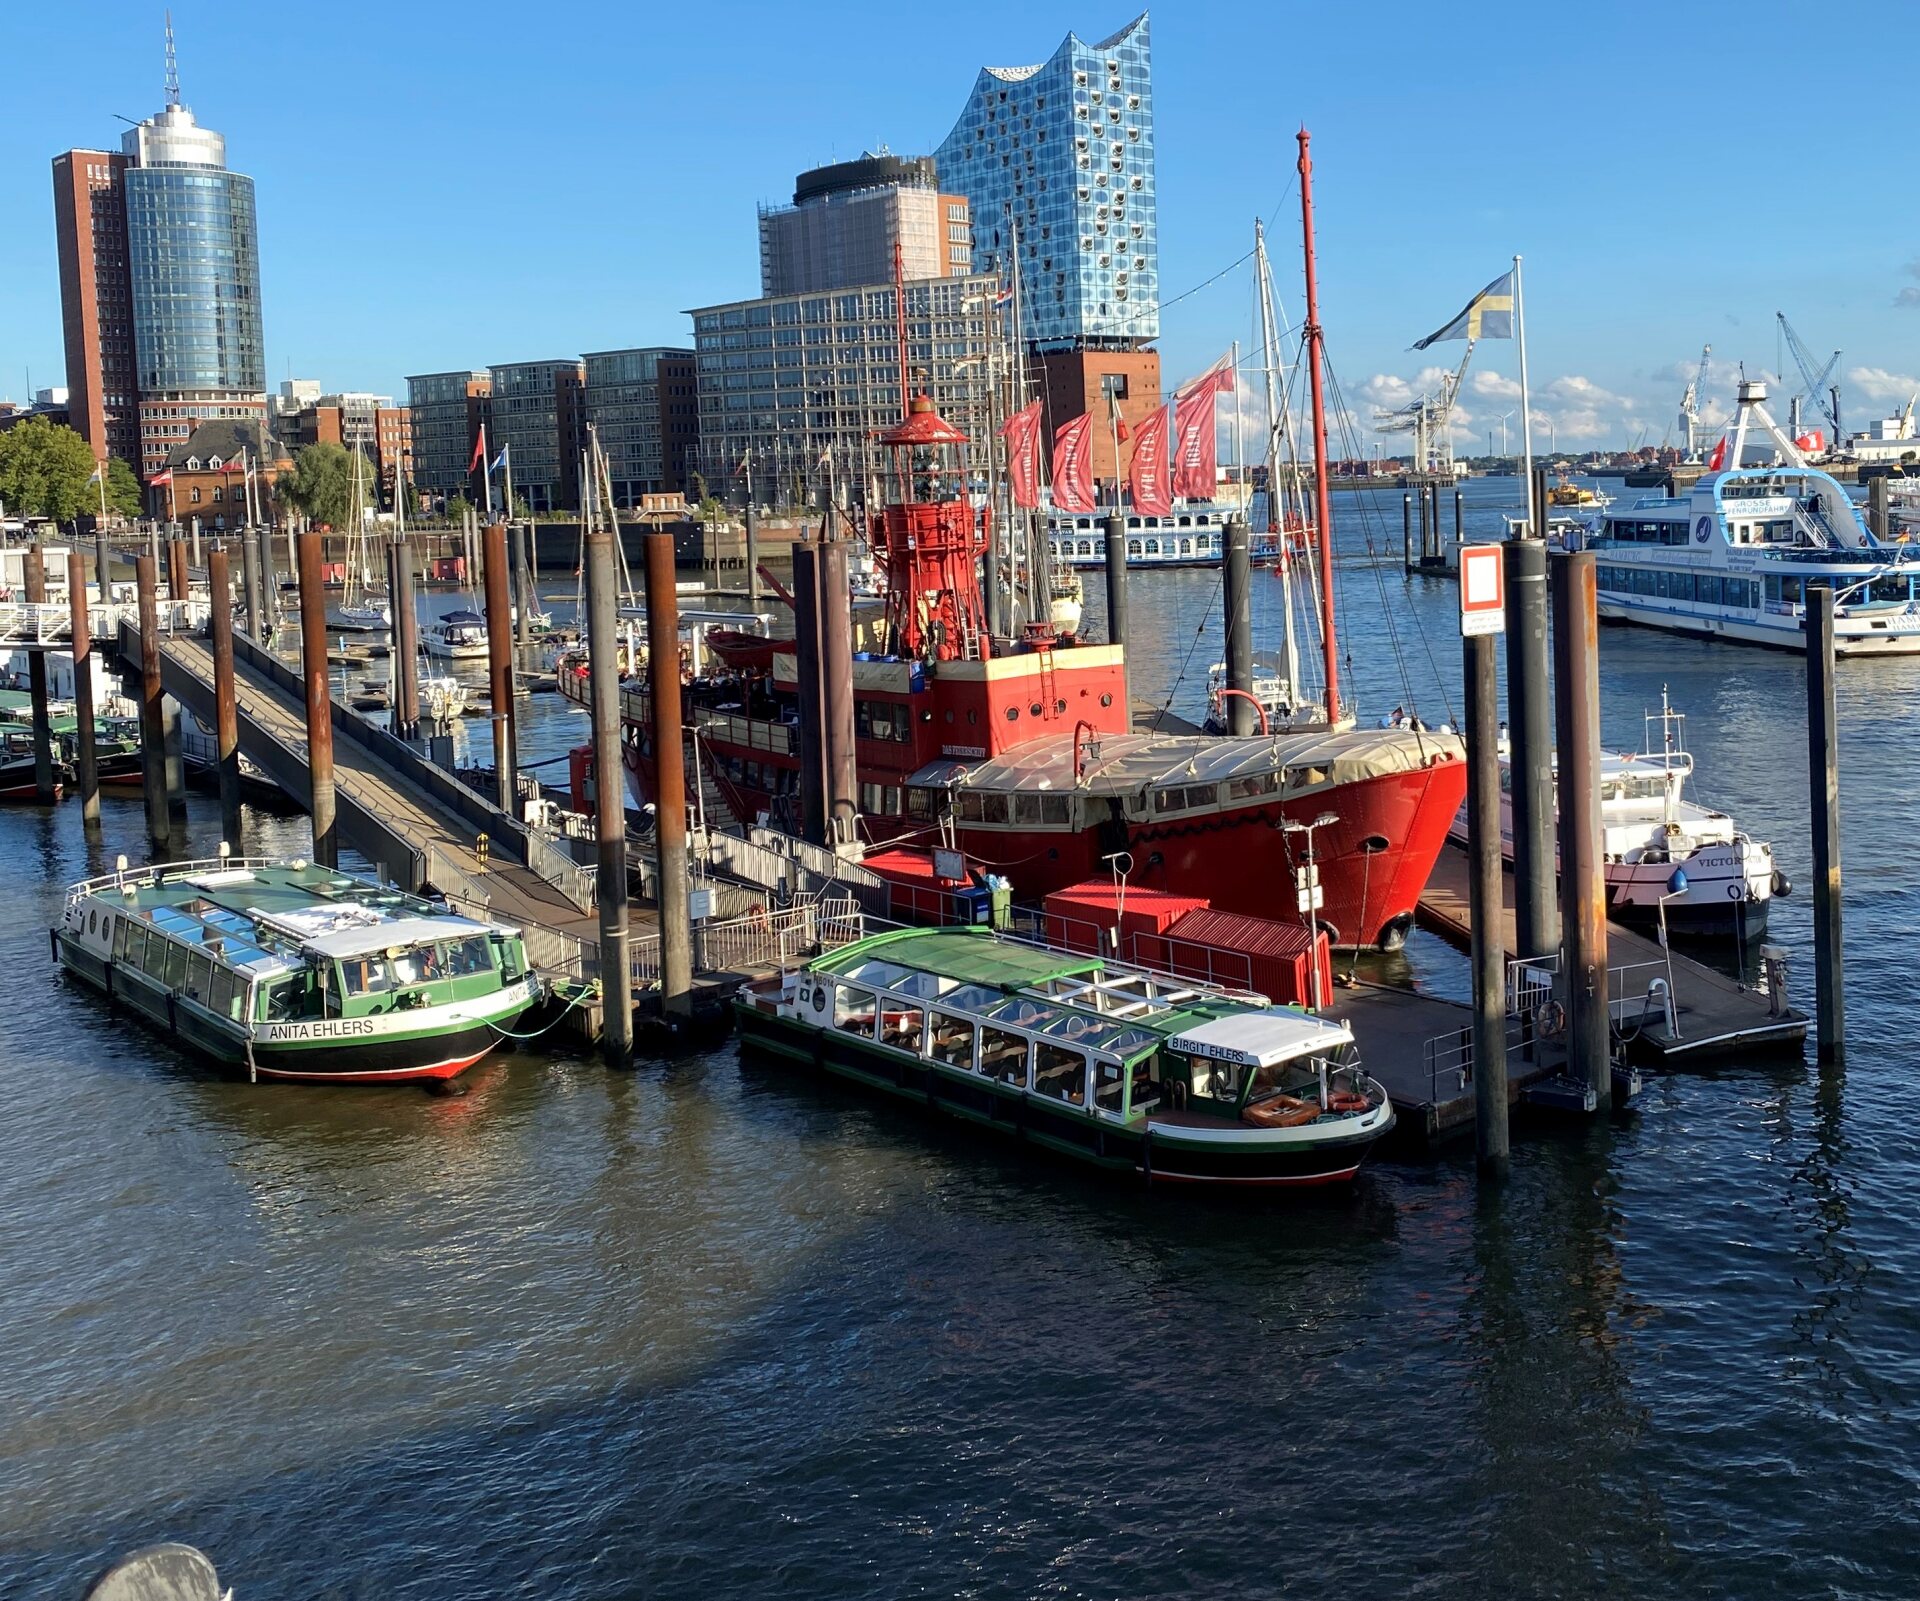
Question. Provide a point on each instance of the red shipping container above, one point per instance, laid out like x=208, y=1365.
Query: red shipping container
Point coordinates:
x=1242, y=952
x=1082, y=916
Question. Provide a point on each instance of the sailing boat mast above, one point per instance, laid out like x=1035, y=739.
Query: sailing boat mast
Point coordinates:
x=1322, y=509
x=1276, y=428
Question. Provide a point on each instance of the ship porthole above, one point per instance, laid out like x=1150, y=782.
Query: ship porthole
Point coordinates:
x=1106, y=700
x=1373, y=844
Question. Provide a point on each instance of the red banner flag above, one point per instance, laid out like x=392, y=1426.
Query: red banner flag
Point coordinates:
x=1814, y=442
x=1022, y=434
x=1719, y=457
x=1196, y=456
x=479, y=450
x=1151, y=476
x=1073, y=464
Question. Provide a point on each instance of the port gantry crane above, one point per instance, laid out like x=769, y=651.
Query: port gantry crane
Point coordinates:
x=1693, y=432
x=1430, y=420
x=1824, y=393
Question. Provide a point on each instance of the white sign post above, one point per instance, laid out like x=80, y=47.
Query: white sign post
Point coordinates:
x=1483, y=591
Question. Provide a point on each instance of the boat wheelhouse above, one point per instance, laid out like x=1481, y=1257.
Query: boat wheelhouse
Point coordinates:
x=1132, y=1071
x=1734, y=558
x=296, y=971
x=1189, y=536
x=456, y=636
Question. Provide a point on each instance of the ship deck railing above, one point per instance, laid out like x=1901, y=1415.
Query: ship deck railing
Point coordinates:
x=154, y=871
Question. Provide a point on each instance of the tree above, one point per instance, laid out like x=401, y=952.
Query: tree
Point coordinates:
x=700, y=488
x=46, y=471
x=520, y=511
x=457, y=508
x=123, y=490
x=321, y=484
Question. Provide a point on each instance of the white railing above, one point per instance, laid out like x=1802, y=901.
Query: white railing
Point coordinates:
x=580, y=885
x=153, y=872
x=760, y=939
x=461, y=889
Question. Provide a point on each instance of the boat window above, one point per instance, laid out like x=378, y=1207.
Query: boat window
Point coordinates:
x=1143, y=1095
x=853, y=1010
x=1133, y=547
x=220, y=997
x=1056, y=808
x=1887, y=590
x=286, y=998
x=121, y=930
x=993, y=808
x=1177, y=800
x=901, y=1026
x=879, y=719
x=1220, y=1080
x=1086, y=547
x=365, y=975
x=1153, y=547
x=460, y=958
x=1186, y=547
x=950, y=1040
x=884, y=975
x=513, y=958
x=199, y=982
x=1003, y=1055
x=176, y=964
x=1109, y=1088
x=1253, y=785
x=1059, y=1073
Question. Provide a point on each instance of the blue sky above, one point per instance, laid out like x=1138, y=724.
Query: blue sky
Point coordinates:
x=444, y=185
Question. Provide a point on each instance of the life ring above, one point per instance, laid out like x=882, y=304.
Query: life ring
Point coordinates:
x=1347, y=1101
x=1549, y=1020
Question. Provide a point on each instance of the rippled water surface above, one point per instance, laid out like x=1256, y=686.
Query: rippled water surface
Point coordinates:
x=710, y=1330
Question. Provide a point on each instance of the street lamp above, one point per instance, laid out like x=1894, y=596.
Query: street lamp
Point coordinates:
x=1307, y=881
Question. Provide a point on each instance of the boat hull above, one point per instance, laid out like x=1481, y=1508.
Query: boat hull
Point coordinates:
x=331, y=1051
x=1161, y=1153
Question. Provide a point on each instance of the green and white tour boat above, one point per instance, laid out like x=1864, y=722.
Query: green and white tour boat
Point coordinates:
x=1131, y=1070
x=296, y=971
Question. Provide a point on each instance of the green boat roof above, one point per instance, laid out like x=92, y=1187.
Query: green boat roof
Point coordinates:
x=1138, y=1007
x=966, y=955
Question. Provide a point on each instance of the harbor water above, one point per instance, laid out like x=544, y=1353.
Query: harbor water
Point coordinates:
x=714, y=1329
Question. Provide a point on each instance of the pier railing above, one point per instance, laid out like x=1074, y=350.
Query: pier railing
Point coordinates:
x=760, y=939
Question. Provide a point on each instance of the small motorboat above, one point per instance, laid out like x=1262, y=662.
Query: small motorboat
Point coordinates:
x=456, y=636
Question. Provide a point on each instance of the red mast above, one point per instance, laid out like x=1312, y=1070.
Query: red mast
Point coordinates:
x=1323, y=511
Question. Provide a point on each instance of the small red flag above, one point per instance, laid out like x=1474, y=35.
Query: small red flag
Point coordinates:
x=479, y=450
x=1719, y=457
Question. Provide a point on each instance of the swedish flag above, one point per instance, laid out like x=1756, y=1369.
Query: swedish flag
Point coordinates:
x=1489, y=315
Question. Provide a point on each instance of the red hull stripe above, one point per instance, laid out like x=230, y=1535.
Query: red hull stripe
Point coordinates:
x=446, y=1069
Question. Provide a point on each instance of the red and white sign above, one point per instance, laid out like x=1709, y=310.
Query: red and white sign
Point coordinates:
x=1483, y=591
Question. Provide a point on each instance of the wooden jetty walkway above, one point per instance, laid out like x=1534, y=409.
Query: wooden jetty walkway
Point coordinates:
x=1713, y=1014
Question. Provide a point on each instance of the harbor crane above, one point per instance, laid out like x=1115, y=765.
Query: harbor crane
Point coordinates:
x=1819, y=386
x=1430, y=420
x=1691, y=430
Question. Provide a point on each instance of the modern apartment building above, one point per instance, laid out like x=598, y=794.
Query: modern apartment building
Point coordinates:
x=645, y=413
x=846, y=219
x=538, y=410
x=1060, y=155
x=370, y=424
x=794, y=389
x=446, y=411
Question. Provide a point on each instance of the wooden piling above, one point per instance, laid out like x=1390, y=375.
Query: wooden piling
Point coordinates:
x=1486, y=901
x=102, y=559
x=313, y=665
x=1237, y=594
x=1878, y=517
x=809, y=689
x=522, y=588
x=1406, y=530
x=226, y=711
x=250, y=581
x=85, y=756
x=177, y=580
x=406, y=638
x=670, y=786
x=1823, y=781
x=1583, y=891
x=836, y=689
x=153, y=735
x=493, y=562
x=45, y=779
x=610, y=812
x=1530, y=732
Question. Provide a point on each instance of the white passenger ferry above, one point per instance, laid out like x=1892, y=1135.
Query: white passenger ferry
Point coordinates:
x=1193, y=535
x=1733, y=558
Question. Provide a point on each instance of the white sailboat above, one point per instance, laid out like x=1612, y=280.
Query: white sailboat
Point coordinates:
x=361, y=608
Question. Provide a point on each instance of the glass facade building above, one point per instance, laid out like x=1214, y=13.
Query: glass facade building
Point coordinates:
x=1060, y=156
x=644, y=412
x=802, y=385
x=446, y=410
x=537, y=411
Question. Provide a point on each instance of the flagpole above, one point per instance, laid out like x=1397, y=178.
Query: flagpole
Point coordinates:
x=486, y=474
x=1526, y=408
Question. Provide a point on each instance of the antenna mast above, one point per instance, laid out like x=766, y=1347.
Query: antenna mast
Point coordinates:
x=173, y=66
x=1323, y=510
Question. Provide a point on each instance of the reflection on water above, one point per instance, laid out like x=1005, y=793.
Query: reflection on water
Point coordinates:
x=717, y=1328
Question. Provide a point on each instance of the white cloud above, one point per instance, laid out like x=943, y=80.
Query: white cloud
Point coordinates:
x=1493, y=386
x=1908, y=299
x=1876, y=383
x=1574, y=390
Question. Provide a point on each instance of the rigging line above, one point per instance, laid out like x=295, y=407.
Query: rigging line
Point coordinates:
x=1386, y=608
x=1206, y=616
